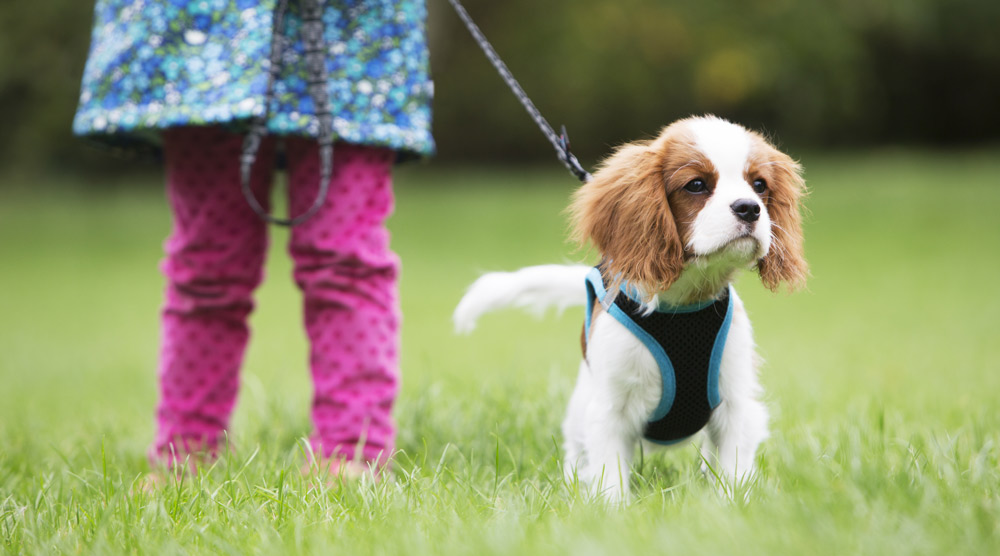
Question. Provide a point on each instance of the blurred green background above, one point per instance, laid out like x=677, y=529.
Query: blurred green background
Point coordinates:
x=841, y=73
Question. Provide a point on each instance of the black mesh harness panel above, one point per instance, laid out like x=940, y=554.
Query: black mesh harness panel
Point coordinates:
x=687, y=344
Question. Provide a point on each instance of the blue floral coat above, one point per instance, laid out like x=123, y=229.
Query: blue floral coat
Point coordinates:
x=160, y=63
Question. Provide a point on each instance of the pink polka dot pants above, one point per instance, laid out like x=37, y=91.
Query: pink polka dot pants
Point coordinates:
x=343, y=266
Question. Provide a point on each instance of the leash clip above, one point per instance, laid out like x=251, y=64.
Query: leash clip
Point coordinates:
x=569, y=159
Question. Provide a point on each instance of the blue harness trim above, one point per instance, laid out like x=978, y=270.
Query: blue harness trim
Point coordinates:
x=692, y=336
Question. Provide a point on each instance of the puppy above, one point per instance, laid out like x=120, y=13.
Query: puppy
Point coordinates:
x=667, y=344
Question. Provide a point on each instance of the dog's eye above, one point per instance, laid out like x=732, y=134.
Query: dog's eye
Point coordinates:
x=696, y=186
x=759, y=185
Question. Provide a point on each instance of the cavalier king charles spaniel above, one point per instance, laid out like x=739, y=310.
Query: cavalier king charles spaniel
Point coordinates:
x=668, y=349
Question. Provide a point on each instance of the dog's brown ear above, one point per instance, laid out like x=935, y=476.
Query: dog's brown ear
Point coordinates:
x=623, y=211
x=785, y=261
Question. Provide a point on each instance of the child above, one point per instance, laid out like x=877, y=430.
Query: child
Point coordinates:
x=185, y=77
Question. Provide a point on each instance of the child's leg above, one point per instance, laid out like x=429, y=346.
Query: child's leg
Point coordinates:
x=214, y=259
x=348, y=278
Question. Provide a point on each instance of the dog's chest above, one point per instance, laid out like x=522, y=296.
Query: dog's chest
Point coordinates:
x=680, y=350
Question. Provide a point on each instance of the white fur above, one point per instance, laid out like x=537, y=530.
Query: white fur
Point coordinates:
x=534, y=289
x=727, y=146
x=619, y=386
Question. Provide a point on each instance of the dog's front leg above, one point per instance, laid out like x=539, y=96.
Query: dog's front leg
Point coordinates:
x=574, y=426
x=735, y=432
x=623, y=387
x=610, y=443
x=739, y=424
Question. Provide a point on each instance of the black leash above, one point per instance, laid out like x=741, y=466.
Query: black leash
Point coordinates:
x=315, y=62
x=560, y=142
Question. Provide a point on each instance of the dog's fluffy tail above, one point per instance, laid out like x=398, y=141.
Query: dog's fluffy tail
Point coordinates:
x=534, y=289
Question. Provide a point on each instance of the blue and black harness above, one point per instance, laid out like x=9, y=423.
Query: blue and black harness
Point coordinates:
x=686, y=342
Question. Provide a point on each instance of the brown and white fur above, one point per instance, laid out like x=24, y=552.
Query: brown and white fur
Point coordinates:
x=677, y=217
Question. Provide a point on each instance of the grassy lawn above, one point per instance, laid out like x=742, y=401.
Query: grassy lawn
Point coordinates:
x=882, y=378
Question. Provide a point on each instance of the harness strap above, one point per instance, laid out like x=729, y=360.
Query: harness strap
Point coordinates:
x=560, y=142
x=315, y=62
x=686, y=342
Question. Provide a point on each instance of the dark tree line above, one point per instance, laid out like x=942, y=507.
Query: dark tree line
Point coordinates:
x=848, y=73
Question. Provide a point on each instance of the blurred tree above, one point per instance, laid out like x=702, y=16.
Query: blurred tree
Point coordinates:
x=813, y=72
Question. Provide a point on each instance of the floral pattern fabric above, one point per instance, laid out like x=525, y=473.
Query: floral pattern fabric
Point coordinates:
x=154, y=64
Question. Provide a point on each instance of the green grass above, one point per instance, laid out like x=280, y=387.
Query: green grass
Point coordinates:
x=882, y=379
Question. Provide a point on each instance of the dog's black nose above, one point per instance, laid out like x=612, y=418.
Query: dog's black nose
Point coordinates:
x=746, y=210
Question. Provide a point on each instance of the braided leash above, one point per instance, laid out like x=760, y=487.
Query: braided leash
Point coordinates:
x=315, y=62
x=560, y=142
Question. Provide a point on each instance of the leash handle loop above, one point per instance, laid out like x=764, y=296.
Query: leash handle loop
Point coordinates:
x=315, y=63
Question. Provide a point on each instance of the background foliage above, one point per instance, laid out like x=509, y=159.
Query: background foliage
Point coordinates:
x=815, y=73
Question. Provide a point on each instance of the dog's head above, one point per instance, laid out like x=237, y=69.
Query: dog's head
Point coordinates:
x=704, y=190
